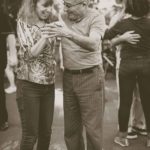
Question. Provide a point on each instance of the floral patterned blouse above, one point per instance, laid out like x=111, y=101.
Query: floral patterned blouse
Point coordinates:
x=40, y=69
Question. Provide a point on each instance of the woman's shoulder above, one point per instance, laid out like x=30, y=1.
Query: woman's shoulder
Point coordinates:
x=143, y=20
x=23, y=22
x=124, y=22
x=26, y=26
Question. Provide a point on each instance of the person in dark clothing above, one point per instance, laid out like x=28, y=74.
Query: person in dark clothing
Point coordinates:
x=11, y=8
x=6, y=36
x=134, y=65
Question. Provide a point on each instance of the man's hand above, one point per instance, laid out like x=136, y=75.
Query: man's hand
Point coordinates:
x=56, y=29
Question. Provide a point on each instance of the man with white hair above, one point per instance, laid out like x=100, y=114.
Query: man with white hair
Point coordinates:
x=83, y=82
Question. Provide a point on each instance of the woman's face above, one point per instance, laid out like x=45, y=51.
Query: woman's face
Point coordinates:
x=44, y=9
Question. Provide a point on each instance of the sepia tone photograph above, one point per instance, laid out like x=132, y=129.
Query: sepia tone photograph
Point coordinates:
x=74, y=74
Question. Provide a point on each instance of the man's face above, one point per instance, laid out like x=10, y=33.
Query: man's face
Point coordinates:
x=74, y=11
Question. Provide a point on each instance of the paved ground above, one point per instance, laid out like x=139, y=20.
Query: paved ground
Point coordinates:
x=9, y=140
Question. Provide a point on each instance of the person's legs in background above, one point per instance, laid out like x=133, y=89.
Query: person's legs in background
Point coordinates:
x=3, y=109
x=11, y=77
x=127, y=80
x=137, y=120
x=144, y=86
x=118, y=59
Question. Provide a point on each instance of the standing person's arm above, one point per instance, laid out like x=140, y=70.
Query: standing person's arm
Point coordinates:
x=11, y=41
x=129, y=37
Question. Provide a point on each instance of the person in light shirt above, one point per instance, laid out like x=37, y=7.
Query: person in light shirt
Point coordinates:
x=83, y=80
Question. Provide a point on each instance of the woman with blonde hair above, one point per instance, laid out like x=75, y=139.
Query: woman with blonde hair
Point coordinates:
x=35, y=73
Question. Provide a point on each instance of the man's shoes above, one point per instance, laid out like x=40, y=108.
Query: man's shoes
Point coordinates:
x=139, y=131
x=121, y=141
x=132, y=135
x=4, y=126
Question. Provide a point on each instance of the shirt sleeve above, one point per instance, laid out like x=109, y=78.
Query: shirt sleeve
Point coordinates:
x=113, y=32
x=25, y=39
x=98, y=25
x=24, y=35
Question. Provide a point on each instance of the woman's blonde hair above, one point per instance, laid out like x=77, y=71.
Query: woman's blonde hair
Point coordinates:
x=27, y=11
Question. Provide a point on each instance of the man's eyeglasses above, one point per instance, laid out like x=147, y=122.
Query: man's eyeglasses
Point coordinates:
x=70, y=5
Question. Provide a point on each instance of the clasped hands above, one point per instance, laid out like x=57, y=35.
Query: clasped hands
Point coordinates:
x=56, y=29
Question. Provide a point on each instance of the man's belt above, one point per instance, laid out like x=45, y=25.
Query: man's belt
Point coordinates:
x=81, y=71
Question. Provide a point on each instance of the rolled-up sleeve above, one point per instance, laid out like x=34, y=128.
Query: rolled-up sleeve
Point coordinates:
x=98, y=25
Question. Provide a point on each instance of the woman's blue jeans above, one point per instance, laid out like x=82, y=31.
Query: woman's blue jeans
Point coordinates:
x=36, y=107
x=132, y=71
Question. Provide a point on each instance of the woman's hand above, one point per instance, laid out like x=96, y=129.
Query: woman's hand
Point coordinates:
x=130, y=37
